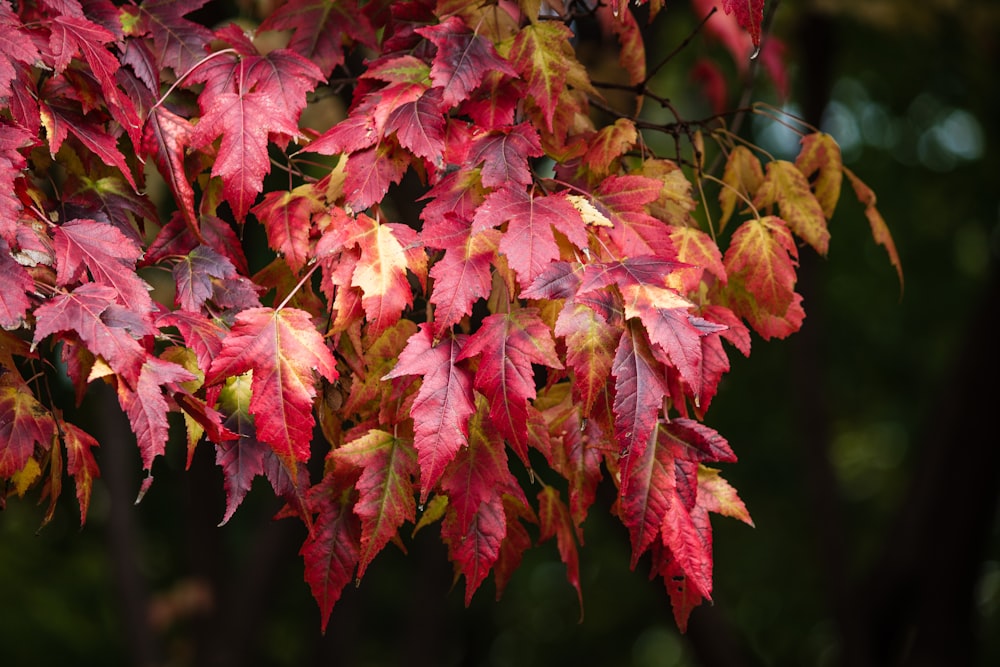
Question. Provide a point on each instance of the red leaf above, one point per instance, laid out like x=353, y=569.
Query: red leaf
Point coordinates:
x=371, y=171
x=15, y=47
x=419, y=126
x=166, y=137
x=462, y=60
x=193, y=275
x=177, y=42
x=623, y=200
x=749, y=14
x=24, y=423
x=787, y=187
x=319, y=28
x=761, y=261
x=717, y=495
x=880, y=230
x=80, y=463
x=287, y=218
x=83, y=312
x=245, y=457
x=462, y=276
x=17, y=284
x=282, y=348
x=543, y=55
x=203, y=335
x=330, y=552
x=388, y=466
x=507, y=344
x=590, y=349
x=504, y=155
x=246, y=101
x=109, y=256
x=442, y=405
x=639, y=393
x=554, y=521
x=475, y=482
x=528, y=242
x=147, y=408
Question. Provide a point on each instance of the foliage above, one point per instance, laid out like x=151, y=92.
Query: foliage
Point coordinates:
x=562, y=296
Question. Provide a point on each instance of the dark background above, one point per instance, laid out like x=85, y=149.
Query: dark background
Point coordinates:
x=868, y=453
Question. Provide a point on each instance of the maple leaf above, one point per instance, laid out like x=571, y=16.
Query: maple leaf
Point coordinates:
x=245, y=457
x=741, y=178
x=319, y=28
x=820, y=156
x=14, y=301
x=507, y=344
x=165, y=137
x=282, y=348
x=623, y=201
x=69, y=35
x=146, y=408
x=462, y=60
x=504, y=155
x=420, y=125
x=760, y=262
x=371, y=171
x=554, y=521
x=202, y=335
x=330, y=552
x=716, y=495
x=880, y=230
x=462, y=276
x=786, y=186
x=749, y=14
x=639, y=393
x=109, y=256
x=388, y=466
x=610, y=144
x=59, y=119
x=590, y=348
x=443, y=404
x=80, y=463
x=193, y=276
x=249, y=99
x=381, y=273
x=696, y=249
x=87, y=311
x=543, y=55
x=475, y=482
x=528, y=242
x=12, y=139
x=287, y=219
x=24, y=423
x=178, y=43
x=14, y=48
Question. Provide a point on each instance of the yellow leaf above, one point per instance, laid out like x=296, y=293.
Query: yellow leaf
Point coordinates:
x=25, y=477
x=788, y=188
x=820, y=155
x=742, y=176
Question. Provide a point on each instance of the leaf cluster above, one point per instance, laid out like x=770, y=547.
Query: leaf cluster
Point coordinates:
x=559, y=310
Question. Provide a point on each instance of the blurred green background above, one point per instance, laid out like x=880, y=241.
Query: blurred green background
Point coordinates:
x=868, y=454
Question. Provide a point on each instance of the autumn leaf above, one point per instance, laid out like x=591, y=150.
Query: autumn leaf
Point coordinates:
x=14, y=301
x=319, y=28
x=462, y=276
x=529, y=242
x=178, y=43
x=507, y=344
x=166, y=137
x=287, y=219
x=462, y=60
x=388, y=466
x=590, y=349
x=80, y=463
x=331, y=549
x=283, y=349
x=541, y=52
x=443, y=404
x=819, y=160
x=554, y=521
x=741, y=178
x=247, y=100
x=787, y=187
x=85, y=311
x=623, y=200
x=24, y=423
x=880, y=230
x=760, y=262
x=749, y=14
x=717, y=495
x=504, y=155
